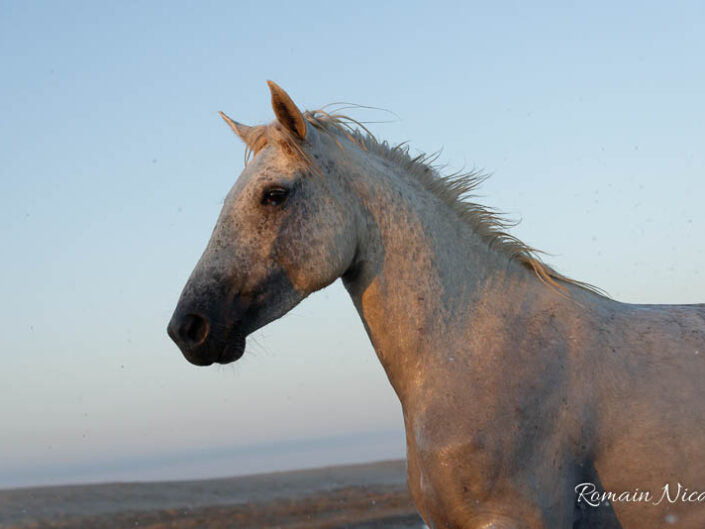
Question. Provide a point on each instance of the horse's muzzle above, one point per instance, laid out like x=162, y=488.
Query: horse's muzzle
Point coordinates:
x=211, y=322
x=204, y=341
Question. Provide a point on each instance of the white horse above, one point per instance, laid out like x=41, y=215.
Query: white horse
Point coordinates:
x=521, y=389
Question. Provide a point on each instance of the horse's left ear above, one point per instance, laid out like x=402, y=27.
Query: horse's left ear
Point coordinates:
x=243, y=131
x=287, y=112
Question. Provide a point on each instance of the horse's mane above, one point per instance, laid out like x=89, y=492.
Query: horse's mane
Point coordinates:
x=455, y=190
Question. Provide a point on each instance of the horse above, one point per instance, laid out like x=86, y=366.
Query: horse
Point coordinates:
x=525, y=393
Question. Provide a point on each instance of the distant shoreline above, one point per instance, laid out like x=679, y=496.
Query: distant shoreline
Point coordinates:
x=205, y=462
x=364, y=495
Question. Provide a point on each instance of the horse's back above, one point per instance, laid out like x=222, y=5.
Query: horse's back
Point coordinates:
x=660, y=353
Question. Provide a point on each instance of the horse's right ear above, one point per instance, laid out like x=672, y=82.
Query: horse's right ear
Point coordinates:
x=243, y=131
x=288, y=114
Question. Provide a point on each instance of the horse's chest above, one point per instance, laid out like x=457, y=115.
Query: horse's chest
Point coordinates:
x=445, y=470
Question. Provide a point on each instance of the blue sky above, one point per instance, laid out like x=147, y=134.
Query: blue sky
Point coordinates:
x=114, y=164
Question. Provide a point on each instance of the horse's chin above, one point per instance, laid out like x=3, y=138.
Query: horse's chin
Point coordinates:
x=233, y=350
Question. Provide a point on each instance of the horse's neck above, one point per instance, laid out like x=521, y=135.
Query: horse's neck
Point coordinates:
x=423, y=275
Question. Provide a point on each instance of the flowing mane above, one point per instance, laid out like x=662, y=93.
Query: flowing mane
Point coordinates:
x=455, y=189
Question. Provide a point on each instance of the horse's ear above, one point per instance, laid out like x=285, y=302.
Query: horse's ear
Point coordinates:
x=287, y=112
x=243, y=131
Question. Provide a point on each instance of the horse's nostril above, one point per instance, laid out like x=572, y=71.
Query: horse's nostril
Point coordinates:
x=194, y=329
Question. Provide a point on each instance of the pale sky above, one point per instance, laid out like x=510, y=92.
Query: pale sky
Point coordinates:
x=114, y=164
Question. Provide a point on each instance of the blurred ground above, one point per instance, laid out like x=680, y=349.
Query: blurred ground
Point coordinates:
x=369, y=496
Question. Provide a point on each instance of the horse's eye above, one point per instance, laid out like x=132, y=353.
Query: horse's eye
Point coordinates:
x=274, y=196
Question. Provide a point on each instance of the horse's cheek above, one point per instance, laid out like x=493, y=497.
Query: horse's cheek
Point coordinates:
x=312, y=247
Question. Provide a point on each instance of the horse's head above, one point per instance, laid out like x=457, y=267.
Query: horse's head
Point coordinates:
x=285, y=230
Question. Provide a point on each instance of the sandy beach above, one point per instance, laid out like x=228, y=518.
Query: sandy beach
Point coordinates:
x=372, y=495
